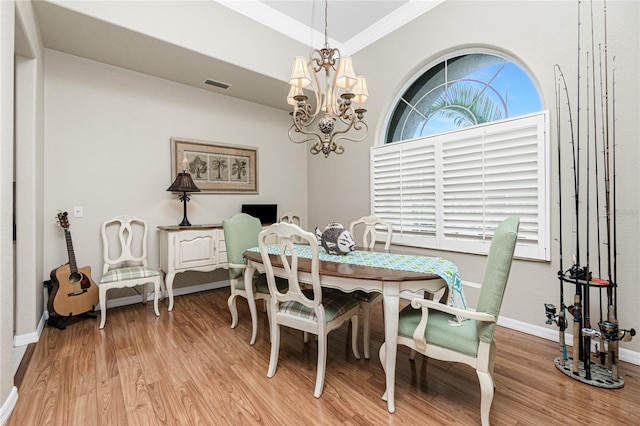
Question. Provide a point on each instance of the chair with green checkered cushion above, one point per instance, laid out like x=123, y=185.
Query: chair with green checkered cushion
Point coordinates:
x=425, y=327
x=304, y=306
x=241, y=233
x=124, y=247
x=369, y=226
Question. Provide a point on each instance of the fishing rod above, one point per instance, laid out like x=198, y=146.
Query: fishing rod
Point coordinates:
x=577, y=300
x=574, y=271
x=559, y=318
x=614, y=283
x=562, y=322
x=613, y=189
x=607, y=163
x=602, y=113
x=586, y=301
x=595, y=148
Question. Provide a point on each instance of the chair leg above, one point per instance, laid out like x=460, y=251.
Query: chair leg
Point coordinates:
x=322, y=362
x=265, y=304
x=102, y=297
x=163, y=288
x=383, y=358
x=354, y=337
x=486, y=396
x=156, y=295
x=275, y=348
x=233, y=309
x=366, y=328
x=145, y=291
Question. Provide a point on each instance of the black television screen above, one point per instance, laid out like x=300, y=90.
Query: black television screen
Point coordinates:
x=267, y=213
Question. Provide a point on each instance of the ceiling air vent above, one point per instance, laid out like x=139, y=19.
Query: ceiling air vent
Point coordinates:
x=217, y=84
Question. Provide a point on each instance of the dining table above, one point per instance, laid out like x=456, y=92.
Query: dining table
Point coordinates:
x=387, y=273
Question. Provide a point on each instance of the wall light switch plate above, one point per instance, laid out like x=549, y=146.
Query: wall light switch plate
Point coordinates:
x=77, y=212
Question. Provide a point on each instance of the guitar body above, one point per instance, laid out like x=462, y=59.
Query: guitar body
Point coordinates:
x=72, y=290
x=73, y=293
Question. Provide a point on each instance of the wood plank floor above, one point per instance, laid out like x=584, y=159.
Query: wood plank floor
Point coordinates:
x=188, y=367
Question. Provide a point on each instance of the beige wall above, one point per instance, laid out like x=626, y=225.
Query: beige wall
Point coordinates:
x=538, y=35
x=8, y=393
x=107, y=141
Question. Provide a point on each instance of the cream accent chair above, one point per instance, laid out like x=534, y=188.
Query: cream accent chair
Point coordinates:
x=126, y=269
x=241, y=233
x=291, y=218
x=295, y=219
x=424, y=325
x=310, y=310
x=369, y=300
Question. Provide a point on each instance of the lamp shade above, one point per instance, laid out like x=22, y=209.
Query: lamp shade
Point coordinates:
x=183, y=183
x=345, y=76
x=299, y=73
x=292, y=92
x=360, y=91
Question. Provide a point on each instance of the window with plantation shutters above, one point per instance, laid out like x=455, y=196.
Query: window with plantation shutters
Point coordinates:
x=450, y=191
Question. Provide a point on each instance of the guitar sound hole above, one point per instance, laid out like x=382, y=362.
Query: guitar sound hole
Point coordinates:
x=74, y=277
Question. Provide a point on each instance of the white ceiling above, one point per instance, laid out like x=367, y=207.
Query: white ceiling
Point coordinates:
x=352, y=25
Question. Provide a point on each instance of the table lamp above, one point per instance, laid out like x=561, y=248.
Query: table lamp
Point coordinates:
x=184, y=184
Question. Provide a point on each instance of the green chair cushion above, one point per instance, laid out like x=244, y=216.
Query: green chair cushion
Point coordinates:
x=463, y=338
x=261, y=284
x=128, y=273
x=335, y=304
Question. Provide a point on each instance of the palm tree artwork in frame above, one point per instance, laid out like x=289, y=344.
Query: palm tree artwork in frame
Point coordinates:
x=216, y=167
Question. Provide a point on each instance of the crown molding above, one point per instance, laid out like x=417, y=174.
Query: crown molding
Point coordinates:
x=278, y=21
x=398, y=18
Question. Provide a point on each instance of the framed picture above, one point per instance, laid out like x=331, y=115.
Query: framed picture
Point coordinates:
x=216, y=167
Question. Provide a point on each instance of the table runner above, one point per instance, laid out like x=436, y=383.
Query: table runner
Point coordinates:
x=444, y=268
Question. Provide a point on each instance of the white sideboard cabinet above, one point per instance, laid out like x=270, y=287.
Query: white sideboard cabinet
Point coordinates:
x=190, y=248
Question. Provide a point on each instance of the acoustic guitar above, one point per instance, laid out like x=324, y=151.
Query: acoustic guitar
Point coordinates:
x=73, y=292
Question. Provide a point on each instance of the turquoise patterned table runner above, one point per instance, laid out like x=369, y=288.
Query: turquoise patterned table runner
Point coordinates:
x=445, y=269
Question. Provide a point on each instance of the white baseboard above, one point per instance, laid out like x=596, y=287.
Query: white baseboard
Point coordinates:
x=33, y=337
x=8, y=405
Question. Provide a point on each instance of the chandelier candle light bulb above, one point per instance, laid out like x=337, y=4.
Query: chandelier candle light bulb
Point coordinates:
x=333, y=116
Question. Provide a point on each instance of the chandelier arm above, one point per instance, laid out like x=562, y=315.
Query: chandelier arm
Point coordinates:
x=360, y=125
x=296, y=134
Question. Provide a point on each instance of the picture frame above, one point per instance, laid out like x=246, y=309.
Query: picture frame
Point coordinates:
x=216, y=167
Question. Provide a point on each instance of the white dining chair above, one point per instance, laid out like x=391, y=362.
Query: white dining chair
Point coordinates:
x=368, y=226
x=124, y=247
x=310, y=310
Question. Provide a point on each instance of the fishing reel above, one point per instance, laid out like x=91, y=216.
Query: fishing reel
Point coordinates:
x=552, y=316
x=611, y=332
x=578, y=273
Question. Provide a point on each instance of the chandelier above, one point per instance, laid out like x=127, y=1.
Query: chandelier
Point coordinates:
x=335, y=111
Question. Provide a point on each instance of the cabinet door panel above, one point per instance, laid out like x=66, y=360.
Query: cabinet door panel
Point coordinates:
x=196, y=250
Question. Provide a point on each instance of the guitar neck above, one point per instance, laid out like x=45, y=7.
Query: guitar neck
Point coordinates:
x=72, y=257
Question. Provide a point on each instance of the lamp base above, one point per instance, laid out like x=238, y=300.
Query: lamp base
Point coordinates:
x=185, y=200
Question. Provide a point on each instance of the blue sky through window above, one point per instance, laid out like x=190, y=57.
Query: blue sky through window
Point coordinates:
x=509, y=85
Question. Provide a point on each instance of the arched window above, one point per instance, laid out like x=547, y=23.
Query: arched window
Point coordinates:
x=463, y=91
x=465, y=147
